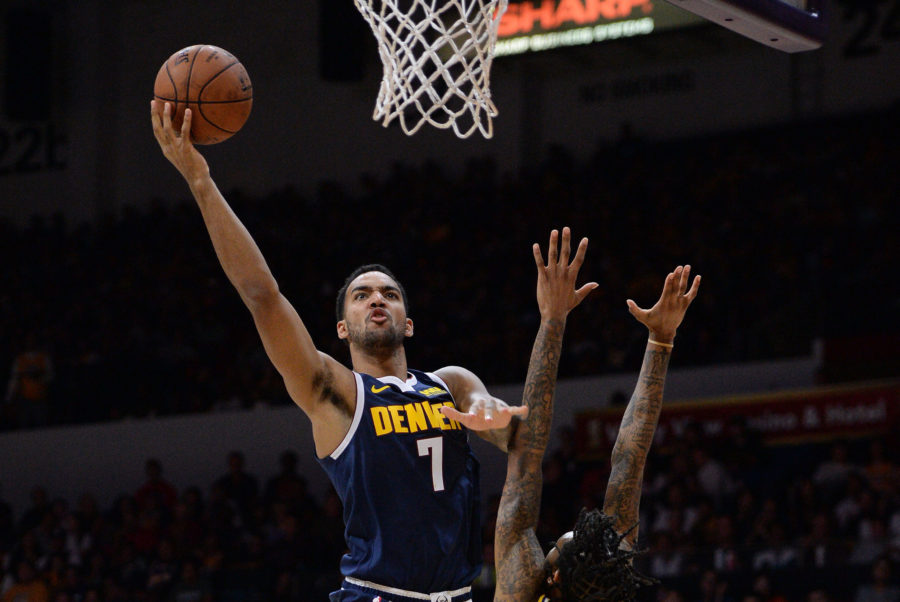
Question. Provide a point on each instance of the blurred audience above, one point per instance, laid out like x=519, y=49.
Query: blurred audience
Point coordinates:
x=881, y=588
x=806, y=213
x=793, y=228
x=235, y=541
x=28, y=391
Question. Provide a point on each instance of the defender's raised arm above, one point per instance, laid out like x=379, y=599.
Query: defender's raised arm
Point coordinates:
x=518, y=553
x=629, y=455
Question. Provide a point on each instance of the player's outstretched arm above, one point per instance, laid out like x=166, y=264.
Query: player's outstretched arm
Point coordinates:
x=517, y=551
x=629, y=455
x=489, y=417
x=306, y=372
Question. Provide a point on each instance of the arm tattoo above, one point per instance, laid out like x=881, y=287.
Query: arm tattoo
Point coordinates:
x=629, y=455
x=518, y=554
x=540, y=385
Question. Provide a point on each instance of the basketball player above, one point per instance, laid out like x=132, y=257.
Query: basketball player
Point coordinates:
x=406, y=475
x=594, y=563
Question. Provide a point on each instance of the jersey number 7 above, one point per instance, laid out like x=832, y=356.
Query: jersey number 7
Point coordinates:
x=434, y=446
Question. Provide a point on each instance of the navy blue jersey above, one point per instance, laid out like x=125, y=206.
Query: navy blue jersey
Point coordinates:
x=409, y=483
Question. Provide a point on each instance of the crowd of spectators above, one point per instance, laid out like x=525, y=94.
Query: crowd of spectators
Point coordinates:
x=237, y=540
x=722, y=520
x=733, y=520
x=792, y=228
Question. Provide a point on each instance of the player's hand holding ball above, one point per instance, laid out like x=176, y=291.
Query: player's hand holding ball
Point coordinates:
x=211, y=82
x=176, y=144
x=202, y=95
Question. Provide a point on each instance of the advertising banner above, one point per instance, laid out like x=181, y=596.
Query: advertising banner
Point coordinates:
x=791, y=417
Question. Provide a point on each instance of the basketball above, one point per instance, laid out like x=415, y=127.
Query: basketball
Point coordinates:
x=214, y=84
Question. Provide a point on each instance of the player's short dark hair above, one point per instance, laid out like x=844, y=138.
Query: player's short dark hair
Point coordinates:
x=369, y=267
x=593, y=567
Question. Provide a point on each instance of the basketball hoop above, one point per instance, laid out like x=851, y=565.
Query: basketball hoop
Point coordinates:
x=437, y=62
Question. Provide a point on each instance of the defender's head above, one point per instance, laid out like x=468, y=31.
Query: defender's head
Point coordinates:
x=588, y=564
x=372, y=310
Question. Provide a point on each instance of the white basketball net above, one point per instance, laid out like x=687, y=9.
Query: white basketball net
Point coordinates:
x=437, y=62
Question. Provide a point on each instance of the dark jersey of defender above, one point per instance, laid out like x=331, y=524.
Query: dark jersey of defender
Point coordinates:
x=409, y=483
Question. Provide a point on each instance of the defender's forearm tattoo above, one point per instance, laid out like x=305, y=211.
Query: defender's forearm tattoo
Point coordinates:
x=623, y=493
x=519, y=555
x=540, y=385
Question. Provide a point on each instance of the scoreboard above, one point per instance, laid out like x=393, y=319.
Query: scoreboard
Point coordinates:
x=536, y=25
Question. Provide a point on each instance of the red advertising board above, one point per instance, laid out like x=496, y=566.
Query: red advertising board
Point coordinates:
x=790, y=417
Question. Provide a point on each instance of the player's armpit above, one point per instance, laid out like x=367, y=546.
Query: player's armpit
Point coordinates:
x=311, y=377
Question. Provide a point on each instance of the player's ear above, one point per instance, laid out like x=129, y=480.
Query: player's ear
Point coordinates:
x=409, y=327
x=342, y=331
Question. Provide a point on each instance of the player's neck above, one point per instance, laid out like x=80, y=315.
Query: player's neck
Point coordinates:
x=392, y=363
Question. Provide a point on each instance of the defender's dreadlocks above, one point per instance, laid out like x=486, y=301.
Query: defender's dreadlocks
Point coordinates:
x=593, y=568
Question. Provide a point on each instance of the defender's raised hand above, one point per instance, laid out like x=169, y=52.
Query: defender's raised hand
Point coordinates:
x=664, y=318
x=556, y=293
x=556, y=297
x=176, y=145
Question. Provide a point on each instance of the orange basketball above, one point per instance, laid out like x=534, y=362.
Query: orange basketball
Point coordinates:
x=214, y=84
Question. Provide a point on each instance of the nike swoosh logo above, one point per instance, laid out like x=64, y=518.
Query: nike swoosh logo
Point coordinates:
x=380, y=389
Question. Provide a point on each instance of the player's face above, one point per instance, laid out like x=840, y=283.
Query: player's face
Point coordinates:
x=374, y=314
x=553, y=564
